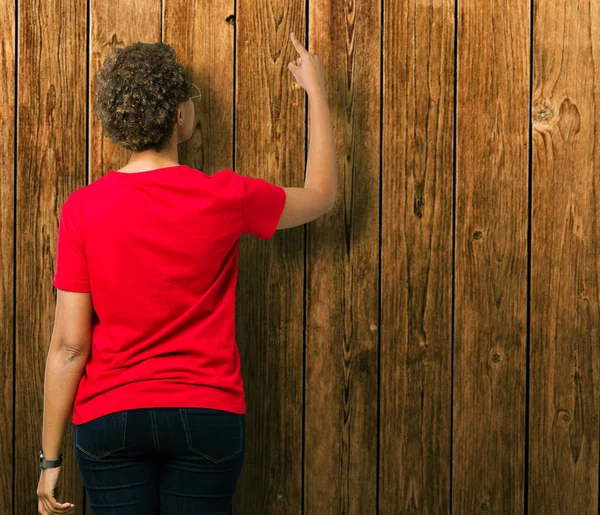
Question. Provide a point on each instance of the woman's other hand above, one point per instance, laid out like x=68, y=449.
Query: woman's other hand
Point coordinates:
x=48, y=491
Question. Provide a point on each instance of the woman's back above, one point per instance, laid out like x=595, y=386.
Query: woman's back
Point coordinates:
x=159, y=252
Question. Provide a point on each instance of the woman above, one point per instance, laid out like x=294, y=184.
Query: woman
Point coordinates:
x=143, y=346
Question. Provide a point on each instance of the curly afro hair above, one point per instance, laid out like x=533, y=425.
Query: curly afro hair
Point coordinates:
x=138, y=91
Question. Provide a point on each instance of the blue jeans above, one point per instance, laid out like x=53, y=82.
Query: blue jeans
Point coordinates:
x=169, y=461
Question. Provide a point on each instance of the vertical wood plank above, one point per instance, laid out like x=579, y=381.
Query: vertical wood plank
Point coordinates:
x=8, y=66
x=115, y=25
x=269, y=143
x=51, y=158
x=342, y=321
x=416, y=253
x=563, y=466
x=202, y=35
x=491, y=257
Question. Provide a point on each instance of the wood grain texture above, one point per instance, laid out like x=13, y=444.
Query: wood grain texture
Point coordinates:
x=51, y=158
x=8, y=66
x=416, y=257
x=490, y=314
x=563, y=443
x=269, y=143
x=342, y=287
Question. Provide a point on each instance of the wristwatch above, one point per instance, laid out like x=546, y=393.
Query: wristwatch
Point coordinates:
x=49, y=464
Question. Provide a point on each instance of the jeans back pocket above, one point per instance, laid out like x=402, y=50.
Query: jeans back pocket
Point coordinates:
x=102, y=436
x=215, y=434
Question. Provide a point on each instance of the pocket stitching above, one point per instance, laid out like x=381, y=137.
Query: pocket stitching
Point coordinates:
x=123, y=435
x=183, y=413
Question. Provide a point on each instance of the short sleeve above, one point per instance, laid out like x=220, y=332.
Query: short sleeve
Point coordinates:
x=262, y=206
x=71, y=272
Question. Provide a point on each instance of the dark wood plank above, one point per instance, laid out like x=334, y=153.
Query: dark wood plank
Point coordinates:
x=563, y=442
x=8, y=66
x=342, y=287
x=416, y=269
x=490, y=335
x=51, y=152
x=269, y=143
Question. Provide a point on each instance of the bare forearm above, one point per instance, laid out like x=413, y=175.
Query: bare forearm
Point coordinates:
x=321, y=165
x=63, y=373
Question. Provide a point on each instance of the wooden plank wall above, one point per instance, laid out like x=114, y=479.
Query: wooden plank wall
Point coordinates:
x=428, y=346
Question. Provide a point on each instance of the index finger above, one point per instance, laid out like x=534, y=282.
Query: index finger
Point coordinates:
x=301, y=50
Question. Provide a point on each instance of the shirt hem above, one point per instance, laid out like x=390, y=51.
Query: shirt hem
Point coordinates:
x=71, y=286
x=119, y=402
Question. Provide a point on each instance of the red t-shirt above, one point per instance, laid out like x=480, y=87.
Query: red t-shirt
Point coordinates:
x=158, y=250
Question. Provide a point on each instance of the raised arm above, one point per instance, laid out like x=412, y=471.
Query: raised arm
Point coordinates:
x=320, y=185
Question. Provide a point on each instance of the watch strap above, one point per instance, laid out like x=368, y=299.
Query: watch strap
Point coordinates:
x=48, y=464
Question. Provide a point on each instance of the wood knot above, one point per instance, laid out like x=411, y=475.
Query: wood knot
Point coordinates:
x=495, y=358
x=563, y=418
x=543, y=113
